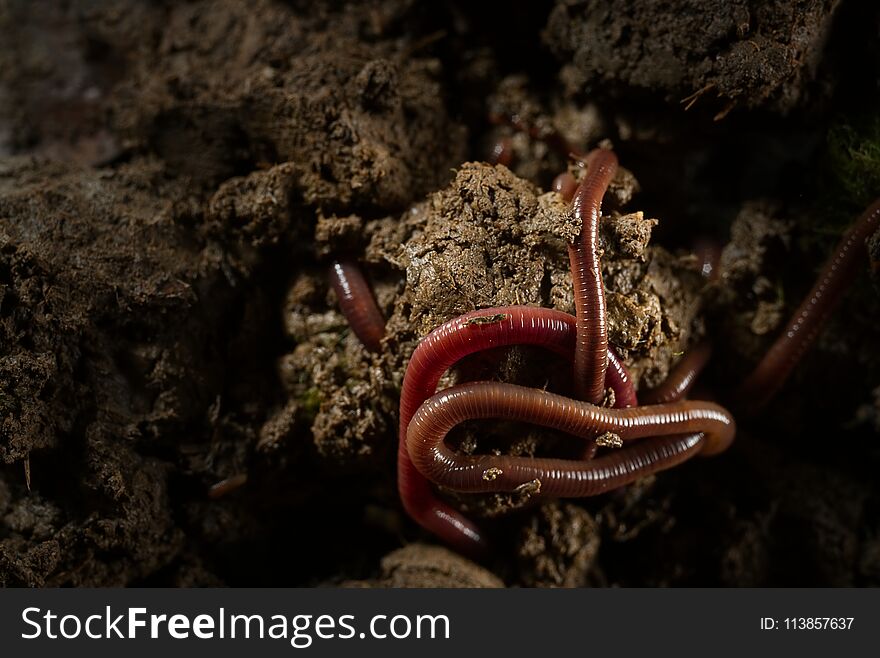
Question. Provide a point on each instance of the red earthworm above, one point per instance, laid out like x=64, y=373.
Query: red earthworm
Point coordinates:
x=618, y=379
x=357, y=304
x=700, y=427
x=223, y=487
x=804, y=326
x=591, y=353
x=566, y=185
x=682, y=378
x=437, y=352
x=502, y=151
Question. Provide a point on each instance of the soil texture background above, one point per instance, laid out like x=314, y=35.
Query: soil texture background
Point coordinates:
x=183, y=404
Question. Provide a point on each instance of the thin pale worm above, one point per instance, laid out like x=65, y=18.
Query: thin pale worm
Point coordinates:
x=683, y=429
x=357, y=304
x=803, y=328
x=591, y=352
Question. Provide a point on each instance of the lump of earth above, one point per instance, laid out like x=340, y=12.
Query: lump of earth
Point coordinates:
x=230, y=87
x=420, y=565
x=558, y=546
x=103, y=328
x=493, y=239
x=717, y=53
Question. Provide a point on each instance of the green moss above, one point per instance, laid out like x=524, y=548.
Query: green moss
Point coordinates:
x=310, y=402
x=854, y=160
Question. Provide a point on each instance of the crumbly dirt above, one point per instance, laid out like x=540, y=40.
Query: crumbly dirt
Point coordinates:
x=107, y=353
x=420, y=565
x=183, y=404
x=714, y=53
x=354, y=116
x=558, y=547
x=748, y=289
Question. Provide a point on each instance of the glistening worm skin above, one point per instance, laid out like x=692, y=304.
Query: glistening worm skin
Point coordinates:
x=684, y=429
x=682, y=378
x=357, y=304
x=502, y=152
x=566, y=185
x=442, y=348
x=591, y=353
x=803, y=328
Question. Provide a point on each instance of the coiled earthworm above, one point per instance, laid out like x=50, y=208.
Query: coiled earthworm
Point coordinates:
x=591, y=352
x=682, y=378
x=702, y=427
x=437, y=352
x=803, y=328
x=357, y=304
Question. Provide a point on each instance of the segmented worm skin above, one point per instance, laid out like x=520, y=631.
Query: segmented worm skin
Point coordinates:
x=357, y=304
x=440, y=350
x=591, y=352
x=803, y=328
x=682, y=378
x=618, y=379
x=685, y=428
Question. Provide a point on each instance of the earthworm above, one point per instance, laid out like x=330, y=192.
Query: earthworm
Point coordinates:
x=357, y=304
x=502, y=151
x=804, y=326
x=695, y=427
x=618, y=379
x=220, y=489
x=566, y=185
x=682, y=378
x=442, y=348
x=591, y=352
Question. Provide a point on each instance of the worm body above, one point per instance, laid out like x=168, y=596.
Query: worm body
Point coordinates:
x=591, y=352
x=502, y=152
x=803, y=328
x=682, y=378
x=357, y=304
x=566, y=185
x=440, y=350
x=684, y=429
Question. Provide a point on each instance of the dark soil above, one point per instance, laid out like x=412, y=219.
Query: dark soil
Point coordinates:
x=182, y=403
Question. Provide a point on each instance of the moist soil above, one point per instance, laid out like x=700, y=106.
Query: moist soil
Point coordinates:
x=182, y=402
